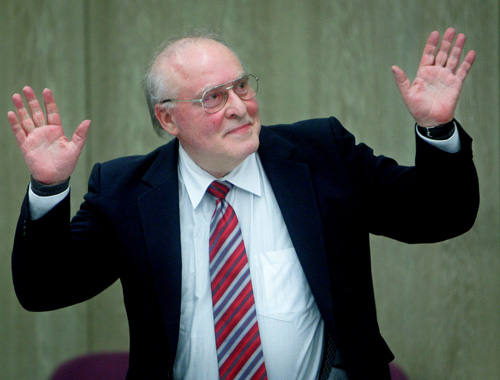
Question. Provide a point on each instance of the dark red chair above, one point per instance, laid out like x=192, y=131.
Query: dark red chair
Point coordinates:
x=397, y=373
x=99, y=366
x=114, y=365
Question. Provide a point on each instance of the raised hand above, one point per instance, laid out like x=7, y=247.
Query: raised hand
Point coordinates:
x=433, y=96
x=50, y=156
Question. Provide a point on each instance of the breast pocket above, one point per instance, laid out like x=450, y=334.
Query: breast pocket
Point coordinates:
x=282, y=291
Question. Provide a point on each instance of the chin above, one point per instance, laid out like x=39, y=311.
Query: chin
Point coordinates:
x=253, y=145
x=246, y=149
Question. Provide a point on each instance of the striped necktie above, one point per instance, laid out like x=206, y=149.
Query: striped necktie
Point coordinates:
x=239, y=350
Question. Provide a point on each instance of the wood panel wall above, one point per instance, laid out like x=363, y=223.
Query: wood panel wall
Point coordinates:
x=438, y=304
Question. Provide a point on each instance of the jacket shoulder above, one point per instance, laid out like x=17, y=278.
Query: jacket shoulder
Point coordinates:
x=313, y=136
x=304, y=128
x=132, y=172
x=138, y=164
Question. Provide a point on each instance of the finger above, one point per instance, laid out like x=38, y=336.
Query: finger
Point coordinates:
x=19, y=133
x=34, y=106
x=444, y=48
x=80, y=135
x=24, y=117
x=456, y=52
x=466, y=65
x=428, y=55
x=53, y=116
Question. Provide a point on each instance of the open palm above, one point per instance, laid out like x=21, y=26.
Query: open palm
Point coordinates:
x=433, y=96
x=50, y=156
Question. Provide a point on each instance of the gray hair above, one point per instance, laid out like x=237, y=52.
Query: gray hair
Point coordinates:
x=157, y=84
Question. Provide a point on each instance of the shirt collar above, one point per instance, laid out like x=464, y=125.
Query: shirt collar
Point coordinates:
x=246, y=176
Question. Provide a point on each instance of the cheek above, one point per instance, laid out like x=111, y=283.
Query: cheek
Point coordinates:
x=204, y=133
x=253, y=107
x=213, y=124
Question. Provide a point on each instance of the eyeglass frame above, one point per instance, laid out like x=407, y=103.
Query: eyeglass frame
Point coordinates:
x=224, y=85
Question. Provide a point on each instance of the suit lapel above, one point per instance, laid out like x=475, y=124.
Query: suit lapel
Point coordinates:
x=159, y=212
x=293, y=188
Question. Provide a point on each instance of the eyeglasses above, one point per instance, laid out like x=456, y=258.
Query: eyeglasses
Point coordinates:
x=215, y=98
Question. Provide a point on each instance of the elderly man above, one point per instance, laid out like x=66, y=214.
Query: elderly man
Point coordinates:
x=242, y=250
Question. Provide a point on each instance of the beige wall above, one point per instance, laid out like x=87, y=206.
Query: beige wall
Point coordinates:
x=438, y=304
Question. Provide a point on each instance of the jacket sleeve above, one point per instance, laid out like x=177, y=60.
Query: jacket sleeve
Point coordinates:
x=434, y=200
x=56, y=263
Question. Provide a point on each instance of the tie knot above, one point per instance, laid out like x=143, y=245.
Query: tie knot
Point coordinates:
x=218, y=189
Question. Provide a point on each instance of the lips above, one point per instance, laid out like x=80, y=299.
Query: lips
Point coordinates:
x=241, y=129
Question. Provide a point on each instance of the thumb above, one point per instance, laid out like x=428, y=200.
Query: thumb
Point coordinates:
x=401, y=79
x=80, y=135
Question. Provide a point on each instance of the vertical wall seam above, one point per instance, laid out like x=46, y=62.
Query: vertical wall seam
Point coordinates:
x=87, y=75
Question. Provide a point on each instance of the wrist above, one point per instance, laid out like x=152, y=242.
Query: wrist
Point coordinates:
x=48, y=190
x=438, y=132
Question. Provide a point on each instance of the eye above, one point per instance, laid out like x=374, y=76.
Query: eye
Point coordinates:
x=241, y=86
x=213, y=97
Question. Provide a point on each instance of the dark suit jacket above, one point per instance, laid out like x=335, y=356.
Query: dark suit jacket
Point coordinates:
x=332, y=194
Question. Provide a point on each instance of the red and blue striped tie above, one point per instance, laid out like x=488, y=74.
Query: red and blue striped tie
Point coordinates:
x=239, y=350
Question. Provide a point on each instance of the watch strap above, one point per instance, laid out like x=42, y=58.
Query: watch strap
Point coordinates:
x=439, y=132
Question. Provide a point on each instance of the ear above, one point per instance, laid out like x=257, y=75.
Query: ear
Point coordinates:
x=164, y=116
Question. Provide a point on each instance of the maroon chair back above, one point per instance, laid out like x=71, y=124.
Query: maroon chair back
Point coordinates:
x=114, y=365
x=397, y=373
x=100, y=366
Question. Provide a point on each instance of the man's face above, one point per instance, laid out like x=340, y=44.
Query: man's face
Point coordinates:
x=220, y=141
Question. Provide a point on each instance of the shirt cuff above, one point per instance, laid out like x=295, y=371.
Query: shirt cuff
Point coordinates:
x=450, y=145
x=41, y=205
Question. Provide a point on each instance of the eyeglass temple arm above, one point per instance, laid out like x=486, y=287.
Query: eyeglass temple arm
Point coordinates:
x=181, y=100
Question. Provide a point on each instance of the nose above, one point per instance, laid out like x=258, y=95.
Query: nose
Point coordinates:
x=235, y=106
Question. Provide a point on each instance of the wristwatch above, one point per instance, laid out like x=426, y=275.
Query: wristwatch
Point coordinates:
x=48, y=190
x=439, y=132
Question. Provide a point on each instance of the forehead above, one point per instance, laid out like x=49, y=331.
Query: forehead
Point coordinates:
x=201, y=64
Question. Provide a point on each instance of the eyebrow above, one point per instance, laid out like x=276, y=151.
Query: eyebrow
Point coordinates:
x=209, y=87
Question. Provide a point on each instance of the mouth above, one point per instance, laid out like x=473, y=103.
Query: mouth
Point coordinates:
x=241, y=129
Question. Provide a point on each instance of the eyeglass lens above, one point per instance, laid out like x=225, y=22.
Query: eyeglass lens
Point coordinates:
x=245, y=88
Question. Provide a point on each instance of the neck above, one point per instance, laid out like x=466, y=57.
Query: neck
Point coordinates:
x=216, y=166
x=218, y=171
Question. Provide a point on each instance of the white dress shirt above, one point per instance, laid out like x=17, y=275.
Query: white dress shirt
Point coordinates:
x=290, y=325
